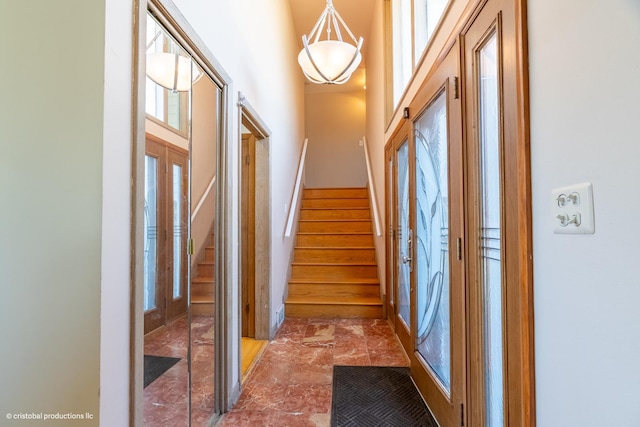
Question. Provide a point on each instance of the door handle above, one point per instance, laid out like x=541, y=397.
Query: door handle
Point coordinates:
x=406, y=259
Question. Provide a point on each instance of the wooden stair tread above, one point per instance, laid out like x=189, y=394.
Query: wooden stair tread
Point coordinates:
x=202, y=280
x=335, y=300
x=337, y=264
x=334, y=233
x=201, y=299
x=337, y=208
x=365, y=281
x=339, y=248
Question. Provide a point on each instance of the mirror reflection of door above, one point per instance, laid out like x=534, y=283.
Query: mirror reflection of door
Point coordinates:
x=165, y=236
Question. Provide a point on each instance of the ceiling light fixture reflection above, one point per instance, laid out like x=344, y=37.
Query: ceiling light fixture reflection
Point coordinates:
x=171, y=70
x=330, y=61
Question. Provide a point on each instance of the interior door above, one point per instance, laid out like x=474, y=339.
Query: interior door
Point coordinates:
x=248, y=235
x=438, y=365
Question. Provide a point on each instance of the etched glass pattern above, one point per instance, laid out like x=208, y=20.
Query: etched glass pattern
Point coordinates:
x=150, y=232
x=403, y=235
x=177, y=231
x=432, y=240
x=490, y=238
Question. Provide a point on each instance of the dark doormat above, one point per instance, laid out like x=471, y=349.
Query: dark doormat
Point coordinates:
x=154, y=366
x=377, y=396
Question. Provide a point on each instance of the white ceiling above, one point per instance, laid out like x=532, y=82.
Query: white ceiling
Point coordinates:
x=357, y=14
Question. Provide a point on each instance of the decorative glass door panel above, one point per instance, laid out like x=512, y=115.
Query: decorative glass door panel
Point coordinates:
x=432, y=241
x=403, y=236
x=176, y=241
x=178, y=231
x=150, y=233
x=490, y=231
x=155, y=252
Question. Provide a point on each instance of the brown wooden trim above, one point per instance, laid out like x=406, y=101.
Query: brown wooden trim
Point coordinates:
x=151, y=137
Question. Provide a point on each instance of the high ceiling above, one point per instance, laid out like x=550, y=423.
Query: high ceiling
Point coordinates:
x=357, y=14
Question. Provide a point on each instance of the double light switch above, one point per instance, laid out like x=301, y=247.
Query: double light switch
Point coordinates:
x=573, y=209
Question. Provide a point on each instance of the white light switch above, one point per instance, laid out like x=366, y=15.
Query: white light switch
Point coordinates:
x=573, y=209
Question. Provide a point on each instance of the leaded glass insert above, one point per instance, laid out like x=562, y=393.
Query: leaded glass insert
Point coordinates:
x=432, y=240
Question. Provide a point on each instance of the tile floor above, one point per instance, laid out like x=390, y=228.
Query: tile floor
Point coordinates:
x=291, y=384
x=166, y=399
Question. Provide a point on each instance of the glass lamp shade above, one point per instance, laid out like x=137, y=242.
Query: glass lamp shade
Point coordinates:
x=333, y=58
x=162, y=69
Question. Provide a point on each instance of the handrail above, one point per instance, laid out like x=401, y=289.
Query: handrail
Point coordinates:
x=372, y=191
x=202, y=199
x=296, y=190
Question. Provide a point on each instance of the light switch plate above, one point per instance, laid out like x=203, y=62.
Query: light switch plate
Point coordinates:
x=573, y=209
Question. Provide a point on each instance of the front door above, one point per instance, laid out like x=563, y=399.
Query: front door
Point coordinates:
x=427, y=300
x=438, y=359
x=403, y=239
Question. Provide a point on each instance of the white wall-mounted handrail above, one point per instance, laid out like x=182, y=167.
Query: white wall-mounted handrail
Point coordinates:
x=293, y=207
x=372, y=190
x=203, y=198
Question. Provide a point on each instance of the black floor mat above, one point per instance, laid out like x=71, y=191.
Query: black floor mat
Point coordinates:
x=377, y=396
x=154, y=366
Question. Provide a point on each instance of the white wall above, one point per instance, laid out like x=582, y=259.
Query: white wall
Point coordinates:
x=584, y=88
x=52, y=140
x=116, y=215
x=335, y=122
x=376, y=123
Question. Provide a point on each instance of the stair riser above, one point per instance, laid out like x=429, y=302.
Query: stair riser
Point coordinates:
x=320, y=214
x=334, y=226
x=335, y=203
x=331, y=273
x=202, y=309
x=209, y=254
x=207, y=270
x=335, y=193
x=202, y=289
x=333, y=311
x=329, y=290
x=335, y=240
x=335, y=255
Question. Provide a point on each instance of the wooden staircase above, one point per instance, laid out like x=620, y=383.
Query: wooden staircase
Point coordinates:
x=202, y=284
x=334, y=271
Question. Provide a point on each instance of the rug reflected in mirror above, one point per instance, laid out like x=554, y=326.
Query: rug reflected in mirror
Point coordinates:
x=154, y=366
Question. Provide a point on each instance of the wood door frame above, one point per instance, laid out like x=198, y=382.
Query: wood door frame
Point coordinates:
x=389, y=171
x=264, y=326
x=508, y=20
x=247, y=235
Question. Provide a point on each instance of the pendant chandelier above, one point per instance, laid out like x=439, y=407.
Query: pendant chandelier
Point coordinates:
x=330, y=61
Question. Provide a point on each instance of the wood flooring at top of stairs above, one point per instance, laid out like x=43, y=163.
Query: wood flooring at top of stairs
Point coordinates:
x=334, y=271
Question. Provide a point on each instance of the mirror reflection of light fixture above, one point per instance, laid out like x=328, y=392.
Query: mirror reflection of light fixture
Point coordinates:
x=170, y=69
x=329, y=61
